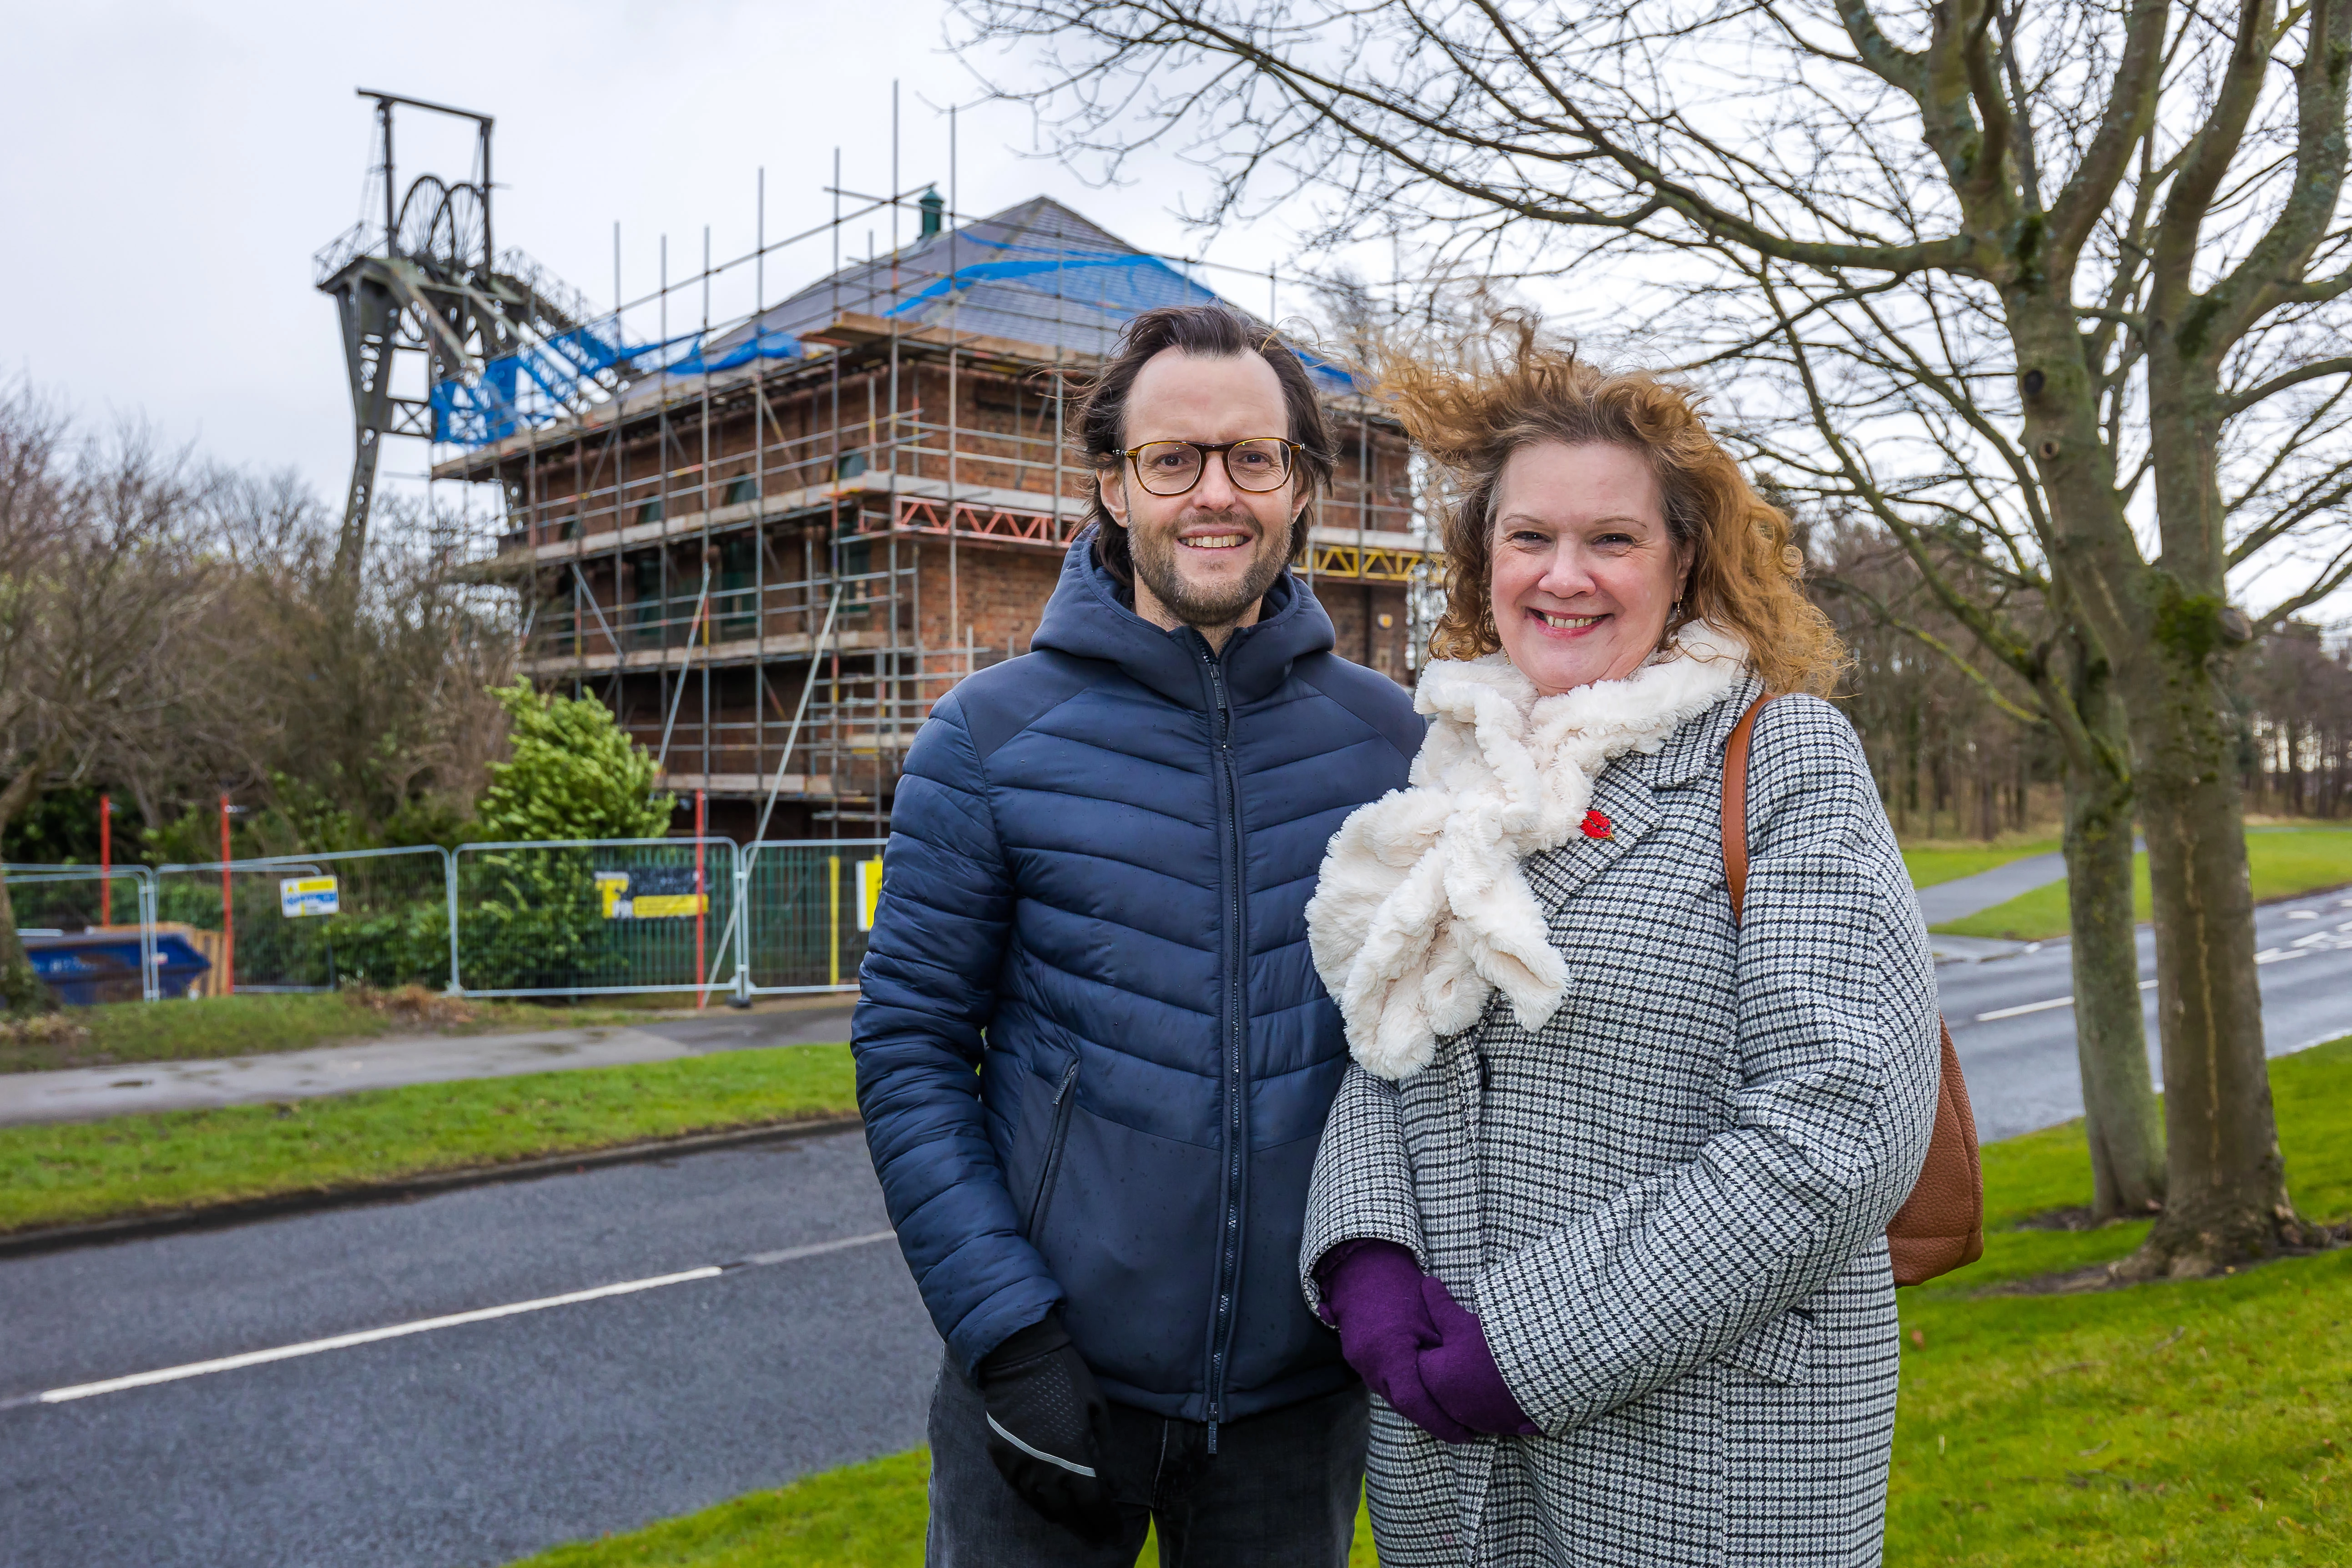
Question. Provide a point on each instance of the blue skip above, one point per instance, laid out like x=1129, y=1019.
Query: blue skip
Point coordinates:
x=85, y=967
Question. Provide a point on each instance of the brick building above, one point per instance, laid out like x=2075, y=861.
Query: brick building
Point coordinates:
x=772, y=559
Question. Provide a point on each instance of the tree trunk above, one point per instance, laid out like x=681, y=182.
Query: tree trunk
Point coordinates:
x=2120, y=1108
x=2165, y=627
x=2226, y=1197
x=22, y=990
x=2225, y=1189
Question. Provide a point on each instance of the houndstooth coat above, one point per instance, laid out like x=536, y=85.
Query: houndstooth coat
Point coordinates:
x=1667, y=1204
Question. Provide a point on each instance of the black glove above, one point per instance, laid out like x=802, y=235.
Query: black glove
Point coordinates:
x=1048, y=1429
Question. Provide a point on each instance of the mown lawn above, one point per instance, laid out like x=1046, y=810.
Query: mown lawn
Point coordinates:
x=1932, y=863
x=2285, y=862
x=2187, y=1423
x=115, y=1033
x=2190, y=1423
x=860, y=1516
x=60, y=1174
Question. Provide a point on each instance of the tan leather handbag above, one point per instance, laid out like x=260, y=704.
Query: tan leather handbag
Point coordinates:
x=1940, y=1227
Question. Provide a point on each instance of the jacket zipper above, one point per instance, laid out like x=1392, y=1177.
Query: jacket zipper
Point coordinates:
x=1236, y=1051
x=1064, y=1102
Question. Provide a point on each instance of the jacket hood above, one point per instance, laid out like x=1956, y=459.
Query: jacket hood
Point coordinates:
x=1087, y=618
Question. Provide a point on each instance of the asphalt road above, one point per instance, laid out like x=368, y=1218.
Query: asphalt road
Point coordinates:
x=473, y=1444
x=2020, y=1067
x=477, y=1443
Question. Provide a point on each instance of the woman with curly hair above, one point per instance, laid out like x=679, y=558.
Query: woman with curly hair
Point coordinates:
x=1598, y=1212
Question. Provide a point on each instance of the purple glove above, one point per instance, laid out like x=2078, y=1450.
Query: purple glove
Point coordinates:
x=1459, y=1370
x=1373, y=1295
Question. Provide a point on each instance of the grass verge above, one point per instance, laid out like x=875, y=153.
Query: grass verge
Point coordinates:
x=2285, y=862
x=1932, y=863
x=116, y=1033
x=860, y=1516
x=70, y=1172
x=2187, y=1423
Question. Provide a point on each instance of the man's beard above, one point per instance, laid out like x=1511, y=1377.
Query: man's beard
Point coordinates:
x=1154, y=555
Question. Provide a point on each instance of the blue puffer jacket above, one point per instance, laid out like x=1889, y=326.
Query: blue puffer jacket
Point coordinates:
x=1094, y=894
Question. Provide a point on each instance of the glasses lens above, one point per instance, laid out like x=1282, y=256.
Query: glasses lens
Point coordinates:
x=1167, y=467
x=1260, y=465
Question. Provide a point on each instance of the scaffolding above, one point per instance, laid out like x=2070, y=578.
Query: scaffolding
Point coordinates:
x=771, y=545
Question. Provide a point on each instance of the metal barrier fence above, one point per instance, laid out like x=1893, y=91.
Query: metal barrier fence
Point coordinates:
x=313, y=923
x=563, y=918
x=811, y=904
x=583, y=917
x=55, y=899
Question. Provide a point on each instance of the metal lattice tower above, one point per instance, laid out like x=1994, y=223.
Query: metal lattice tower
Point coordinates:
x=429, y=282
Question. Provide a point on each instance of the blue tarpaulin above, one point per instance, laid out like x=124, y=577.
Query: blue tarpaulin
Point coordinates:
x=537, y=385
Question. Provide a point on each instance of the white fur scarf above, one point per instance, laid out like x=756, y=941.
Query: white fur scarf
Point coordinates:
x=1423, y=911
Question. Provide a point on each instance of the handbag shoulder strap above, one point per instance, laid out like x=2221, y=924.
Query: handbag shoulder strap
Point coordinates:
x=1735, y=806
x=1940, y=1226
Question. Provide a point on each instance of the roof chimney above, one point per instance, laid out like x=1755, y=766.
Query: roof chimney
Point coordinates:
x=933, y=207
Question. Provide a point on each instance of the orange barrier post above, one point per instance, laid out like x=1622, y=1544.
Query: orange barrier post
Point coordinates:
x=105, y=860
x=228, y=914
x=701, y=822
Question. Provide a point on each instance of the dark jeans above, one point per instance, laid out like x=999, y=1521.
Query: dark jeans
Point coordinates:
x=1281, y=1489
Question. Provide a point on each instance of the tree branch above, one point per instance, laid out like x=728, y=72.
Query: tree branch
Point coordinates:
x=2237, y=402
x=2124, y=123
x=1930, y=640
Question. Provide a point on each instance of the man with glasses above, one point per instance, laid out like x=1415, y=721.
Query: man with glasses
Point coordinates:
x=1093, y=1055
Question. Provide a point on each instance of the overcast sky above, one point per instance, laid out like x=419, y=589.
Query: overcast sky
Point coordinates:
x=168, y=170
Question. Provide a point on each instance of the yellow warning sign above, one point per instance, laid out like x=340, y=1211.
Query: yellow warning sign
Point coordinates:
x=661, y=892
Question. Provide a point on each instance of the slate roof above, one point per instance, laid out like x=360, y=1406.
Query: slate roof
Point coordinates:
x=1035, y=273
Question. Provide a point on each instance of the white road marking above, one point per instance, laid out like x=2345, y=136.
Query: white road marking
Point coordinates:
x=426, y=1325
x=2020, y=1012
x=793, y=1254
x=2000, y=1013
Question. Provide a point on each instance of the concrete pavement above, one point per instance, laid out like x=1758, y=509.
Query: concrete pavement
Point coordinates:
x=1964, y=896
x=84, y=1093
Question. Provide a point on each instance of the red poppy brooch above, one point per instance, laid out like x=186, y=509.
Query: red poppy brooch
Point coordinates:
x=1597, y=825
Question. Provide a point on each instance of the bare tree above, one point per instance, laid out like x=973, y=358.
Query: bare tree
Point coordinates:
x=2299, y=723
x=2109, y=238
x=358, y=705
x=2062, y=686
x=96, y=592
x=1866, y=404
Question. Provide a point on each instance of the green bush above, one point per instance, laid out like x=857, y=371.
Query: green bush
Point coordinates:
x=575, y=775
